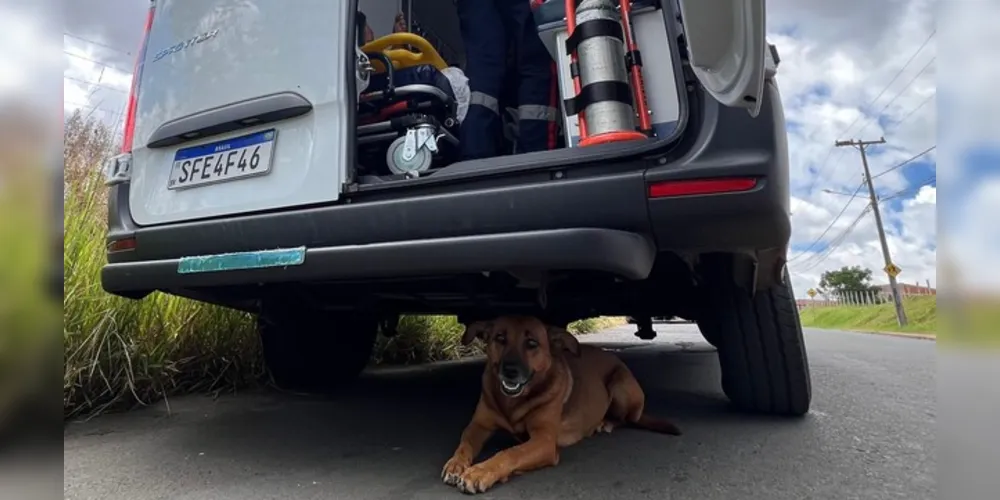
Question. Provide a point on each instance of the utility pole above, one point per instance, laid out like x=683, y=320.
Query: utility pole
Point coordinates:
x=893, y=285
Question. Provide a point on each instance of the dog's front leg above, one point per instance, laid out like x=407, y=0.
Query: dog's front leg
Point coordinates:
x=473, y=438
x=540, y=450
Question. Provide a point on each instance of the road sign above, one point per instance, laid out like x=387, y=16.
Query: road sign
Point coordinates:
x=811, y=292
x=892, y=270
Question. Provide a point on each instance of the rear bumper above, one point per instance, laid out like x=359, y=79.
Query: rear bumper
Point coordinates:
x=589, y=218
x=620, y=253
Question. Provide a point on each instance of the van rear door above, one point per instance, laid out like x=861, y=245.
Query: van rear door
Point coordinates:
x=728, y=49
x=241, y=106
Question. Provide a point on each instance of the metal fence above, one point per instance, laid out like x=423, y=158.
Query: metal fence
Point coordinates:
x=862, y=298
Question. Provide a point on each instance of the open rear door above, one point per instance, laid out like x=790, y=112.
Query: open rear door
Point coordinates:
x=727, y=48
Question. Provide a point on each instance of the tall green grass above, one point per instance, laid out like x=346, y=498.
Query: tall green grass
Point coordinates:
x=29, y=317
x=121, y=352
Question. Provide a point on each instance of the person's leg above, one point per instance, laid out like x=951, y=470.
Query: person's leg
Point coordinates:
x=537, y=95
x=485, y=48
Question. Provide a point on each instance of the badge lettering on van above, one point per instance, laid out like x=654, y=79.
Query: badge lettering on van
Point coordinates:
x=185, y=44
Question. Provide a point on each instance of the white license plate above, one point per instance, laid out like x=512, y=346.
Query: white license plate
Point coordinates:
x=230, y=160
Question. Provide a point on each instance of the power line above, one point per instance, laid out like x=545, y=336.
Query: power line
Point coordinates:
x=870, y=103
x=94, y=42
x=893, y=80
x=96, y=84
x=874, y=118
x=835, y=243
x=830, y=226
x=95, y=61
x=911, y=189
x=904, y=163
x=899, y=94
x=917, y=108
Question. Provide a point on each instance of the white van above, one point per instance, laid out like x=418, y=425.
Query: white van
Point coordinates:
x=268, y=165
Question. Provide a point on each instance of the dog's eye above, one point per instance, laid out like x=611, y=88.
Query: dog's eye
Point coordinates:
x=531, y=343
x=501, y=339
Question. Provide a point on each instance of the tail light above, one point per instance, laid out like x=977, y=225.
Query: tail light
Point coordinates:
x=689, y=187
x=133, y=94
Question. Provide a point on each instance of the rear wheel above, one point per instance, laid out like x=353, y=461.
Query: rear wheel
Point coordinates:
x=761, y=350
x=312, y=350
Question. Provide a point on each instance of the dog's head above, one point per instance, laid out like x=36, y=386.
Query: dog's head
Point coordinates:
x=519, y=349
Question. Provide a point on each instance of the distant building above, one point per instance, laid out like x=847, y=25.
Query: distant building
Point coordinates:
x=907, y=290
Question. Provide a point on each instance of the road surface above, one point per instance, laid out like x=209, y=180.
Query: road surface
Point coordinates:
x=870, y=435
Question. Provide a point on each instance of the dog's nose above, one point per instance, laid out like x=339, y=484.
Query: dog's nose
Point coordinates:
x=510, y=372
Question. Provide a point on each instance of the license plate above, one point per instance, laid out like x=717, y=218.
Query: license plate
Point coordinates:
x=229, y=160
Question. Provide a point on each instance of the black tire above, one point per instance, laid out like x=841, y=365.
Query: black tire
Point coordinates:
x=762, y=354
x=312, y=350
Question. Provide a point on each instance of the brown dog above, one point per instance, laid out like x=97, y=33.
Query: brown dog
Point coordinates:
x=540, y=383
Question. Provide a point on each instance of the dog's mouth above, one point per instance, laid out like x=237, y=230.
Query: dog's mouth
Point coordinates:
x=512, y=388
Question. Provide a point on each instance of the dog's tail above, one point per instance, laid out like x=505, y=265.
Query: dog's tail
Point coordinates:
x=660, y=425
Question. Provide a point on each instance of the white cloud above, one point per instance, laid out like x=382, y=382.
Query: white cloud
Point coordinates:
x=972, y=245
x=835, y=61
x=26, y=56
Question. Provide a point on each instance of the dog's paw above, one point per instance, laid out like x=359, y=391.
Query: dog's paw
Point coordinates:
x=606, y=427
x=453, y=469
x=477, y=479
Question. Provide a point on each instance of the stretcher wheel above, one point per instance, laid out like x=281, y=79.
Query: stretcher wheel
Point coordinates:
x=400, y=166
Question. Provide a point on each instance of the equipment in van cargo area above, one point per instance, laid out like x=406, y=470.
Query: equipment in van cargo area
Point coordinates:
x=651, y=79
x=606, y=96
x=331, y=140
x=407, y=107
x=408, y=125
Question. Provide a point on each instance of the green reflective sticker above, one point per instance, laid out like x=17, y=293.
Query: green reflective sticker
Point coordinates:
x=281, y=257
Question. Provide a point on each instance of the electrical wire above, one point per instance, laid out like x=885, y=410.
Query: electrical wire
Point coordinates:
x=835, y=243
x=830, y=226
x=909, y=190
x=95, y=61
x=898, y=95
x=917, y=108
x=874, y=118
x=829, y=154
x=94, y=42
x=904, y=163
x=894, y=78
x=96, y=84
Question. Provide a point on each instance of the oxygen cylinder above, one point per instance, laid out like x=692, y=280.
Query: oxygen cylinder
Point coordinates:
x=601, y=78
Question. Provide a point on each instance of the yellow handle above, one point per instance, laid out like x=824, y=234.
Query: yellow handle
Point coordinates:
x=404, y=58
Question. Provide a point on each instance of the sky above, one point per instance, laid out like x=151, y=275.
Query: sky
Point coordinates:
x=853, y=69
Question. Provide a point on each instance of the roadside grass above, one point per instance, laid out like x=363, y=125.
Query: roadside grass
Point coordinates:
x=121, y=353
x=970, y=322
x=921, y=313
x=29, y=317
x=593, y=325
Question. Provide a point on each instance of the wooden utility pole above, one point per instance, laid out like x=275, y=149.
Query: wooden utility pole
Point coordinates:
x=890, y=269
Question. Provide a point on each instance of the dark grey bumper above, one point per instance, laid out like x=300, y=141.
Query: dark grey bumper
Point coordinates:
x=621, y=253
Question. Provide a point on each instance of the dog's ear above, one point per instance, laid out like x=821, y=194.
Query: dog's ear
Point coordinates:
x=560, y=338
x=477, y=329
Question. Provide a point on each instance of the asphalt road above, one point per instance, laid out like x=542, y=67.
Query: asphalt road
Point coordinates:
x=870, y=435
